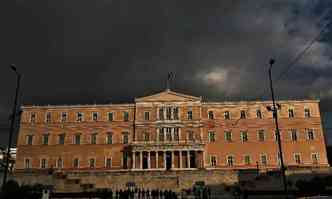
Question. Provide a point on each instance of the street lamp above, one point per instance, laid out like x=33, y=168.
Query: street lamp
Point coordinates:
x=12, y=122
x=274, y=110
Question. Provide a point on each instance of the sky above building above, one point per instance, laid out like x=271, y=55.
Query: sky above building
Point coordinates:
x=101, y=51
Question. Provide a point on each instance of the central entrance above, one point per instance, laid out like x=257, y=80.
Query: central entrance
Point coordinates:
x=168, y=160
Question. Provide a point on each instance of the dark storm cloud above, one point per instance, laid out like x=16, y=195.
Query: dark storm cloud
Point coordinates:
x=74, y=52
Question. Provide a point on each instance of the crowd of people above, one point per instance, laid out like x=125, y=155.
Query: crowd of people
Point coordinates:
x=144, y=194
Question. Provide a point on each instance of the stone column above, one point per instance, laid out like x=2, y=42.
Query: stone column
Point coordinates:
x=165, y=111
x=172, y=113
x=180, y=155
x=141, y=159
x=134, y=160
x=179, y=131
x=172, y=133
x=203, y=159
x=164, y=159
x=157, y=138
x=149, y=160
x=157, y=162
x=173, y=165
x=188, y=158
x=165, y=132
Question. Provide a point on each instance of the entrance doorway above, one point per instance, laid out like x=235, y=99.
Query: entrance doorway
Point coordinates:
x=168, y=160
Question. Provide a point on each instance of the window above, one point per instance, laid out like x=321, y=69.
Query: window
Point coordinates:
x=27, y=163
x=190, y=115
x=210, y=115
x=247, y=160
x=314, y=158
x=243, y=114
x=109, y=138
x=161, y=134
x=48, y=117
x=228, y=136
x=59, y=163
x=259, y=114
x=93, y=139
x=244, y=136
x=291, y=113
x=92, y=162
x=307, y=113
x=276, y=135
x=95, y=116
x=29, y=139
x=61, y=139
x=108, y=163
x=297, y=158
x=64, y=116
x=76, y=163
x=227, y=115
x=168, y=134
x=125, y=138
x=125, y=116
x=310, y=134
x=190, y=135
x=146, y=116
x=33, y=117
x=110, y=116
x=176, y=134
x=43, y=163
x=212, y=136
x=45, y=139
x=146, y=137
x=261, y=135
x=176, y=113
x=293, y=135
x=264, y=159
x=213, y=161
x=161, y=114
x=230, y=160
x=77, y=139
x=168, y=113
x=79, y=117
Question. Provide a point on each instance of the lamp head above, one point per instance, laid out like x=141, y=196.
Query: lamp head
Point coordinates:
x=269, y=108
x=13, y=67
x=272, y=61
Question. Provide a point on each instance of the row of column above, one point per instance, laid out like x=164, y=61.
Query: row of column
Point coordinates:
x=164, y=156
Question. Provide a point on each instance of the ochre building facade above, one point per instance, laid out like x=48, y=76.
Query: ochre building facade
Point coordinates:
x=169, y=131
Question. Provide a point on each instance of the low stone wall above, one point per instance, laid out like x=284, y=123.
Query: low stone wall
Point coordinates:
x=175, y=180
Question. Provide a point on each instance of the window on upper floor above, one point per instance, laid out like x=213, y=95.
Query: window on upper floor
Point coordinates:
x=190, y=115
x=161, y=134
x=27, y=163
x=109, y=138
x=77, y=139
x=293, y=133
x=259, y=114
x=307, y=113
x=64, y=116
x=95, y=116
x=176, y=113
x=110, y=116
x=168, y=113
x=264, y=159
x=213, y=161
x=314, y=158
x=230, y=160
x=297, y=158
x=310, y=134
x=243, y=114
x=247, y=160
x=108, y=163
x=79, y=117
x=276, y=136
x=168, y=134
x=92, y=163
x=43, y=163
x=125, y=116
x=261, y=135
x=227, y=115
x=93, y=138
x=291, y=113
x=125, y=138
x=190, y=135
x=228, y=136
x=45, y=139
x=29, y=139
x=61, y=139
x=59, y=163
x=146, y=116
x=33, y=117
x=48, y=117
x=146, y=136
x=161, y=114
x=244, y=136
x=176, y=134
x=210, y=115
x=211, y=136
x=76, y=163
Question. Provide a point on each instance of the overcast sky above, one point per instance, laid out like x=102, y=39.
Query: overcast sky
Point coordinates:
x=86, y=51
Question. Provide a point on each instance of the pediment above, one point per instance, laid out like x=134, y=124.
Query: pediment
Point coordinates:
x=168, y=96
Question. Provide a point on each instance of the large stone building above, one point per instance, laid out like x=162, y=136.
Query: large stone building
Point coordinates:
x=169, y=131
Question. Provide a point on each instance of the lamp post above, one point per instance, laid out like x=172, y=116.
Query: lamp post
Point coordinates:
x=12, y=122
x=274, y=110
